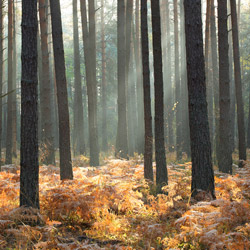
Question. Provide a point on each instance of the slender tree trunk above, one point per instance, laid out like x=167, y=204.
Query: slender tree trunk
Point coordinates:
x=225, y=156
x=14, y=100
x=1, y=73
x=122, y=134
x=9, y=141
x=148, y=148
x=29, y=176
x=78, y=103
x=214, y=48
x=139, y=84
x=177, y=85
x=160, y=156
x=202, y=169
x=66, y=171
x=238, y=84
x=104, y=84
x=47, y=138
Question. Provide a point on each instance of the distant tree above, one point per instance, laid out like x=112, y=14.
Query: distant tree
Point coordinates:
x=202, y=169
x=104, y=83
x=78, y=103
x=29, y=190
x=225, y=154
x=238, y=85
x=122, y=131
x=160, y=156
x=89, y=40
x=66, y=171
x=47, y=138
x=9, y=135
x=177, y=84
x=1, y=70
x=148, y=148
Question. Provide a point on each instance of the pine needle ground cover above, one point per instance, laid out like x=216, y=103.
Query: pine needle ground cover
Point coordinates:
x=111, y=207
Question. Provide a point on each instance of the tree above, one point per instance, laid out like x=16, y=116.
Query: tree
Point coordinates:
x=104, y=84
x=202, y=170
x=122, y=132
x=78, y=104
x=1, y=70
x=238, y=85
x=177, y=84
x=225, y=154
x=148, y=145
x=9, y=138
x=160, y=156
x=29, y=190
x=47, y=138
x=89, y=41
x=66, y=171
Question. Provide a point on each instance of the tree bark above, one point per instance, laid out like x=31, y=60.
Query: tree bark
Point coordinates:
x=66, y=171
x=90, y=62
x=160, y=156
x=29, y=176
x=78, y=103
x=47, y=138
x=238, y=84
x=202, y=170
x=148, y=148
x=177, y=84
x=9, y=138
x=122, y=132
x=225, y=154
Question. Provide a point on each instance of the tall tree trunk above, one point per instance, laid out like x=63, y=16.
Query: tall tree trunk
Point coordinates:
x=90, y=67
x=170, y=94
x=47, y=138
x=148, y=148
x=202, y=169
x=177, y=84
x=9, y=140
x=238, y=85
x=139, y=84
x=66, y=171
x=14, y=99
x=184, y=91
x=122, y=134
x=225, y=155
x=1, y=73
x=214, y=48
x=29, y=176
x=104, y=83
x=160, y=156
x=78, y=104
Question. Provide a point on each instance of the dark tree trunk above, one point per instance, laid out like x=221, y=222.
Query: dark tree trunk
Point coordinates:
x=47, y=139
x=78, y=104
x=148, y=148
x=66, y=171
x=90, y=67
x=238, y=85
x=177, y=84
x=104, y=84
x=1, y=72
x=29, y=183
x=214, y=48
x=202, y=170
x=225, y=154
x=122, y=132
x=9, y=139
x=160, y=156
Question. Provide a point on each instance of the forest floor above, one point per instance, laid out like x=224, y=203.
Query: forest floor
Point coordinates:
x=111, y=207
